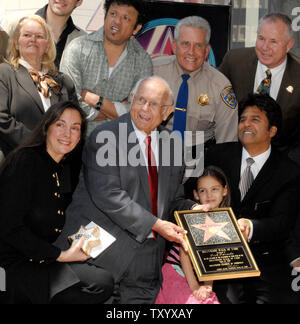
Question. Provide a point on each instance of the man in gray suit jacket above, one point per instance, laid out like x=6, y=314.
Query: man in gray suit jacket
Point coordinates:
x=246, y=67
x=114, y=192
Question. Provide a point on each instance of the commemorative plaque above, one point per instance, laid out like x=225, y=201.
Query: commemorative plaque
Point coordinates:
x=216, y=246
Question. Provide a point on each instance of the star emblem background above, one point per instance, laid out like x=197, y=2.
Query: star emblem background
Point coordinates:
x=211, y=229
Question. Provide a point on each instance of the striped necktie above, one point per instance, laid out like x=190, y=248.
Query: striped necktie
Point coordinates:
x=181, y=106
x=264, y=87
x=246, y=179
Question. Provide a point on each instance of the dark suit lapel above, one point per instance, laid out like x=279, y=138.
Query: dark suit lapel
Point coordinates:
x=63, y=94
x=144, y=179
x=235, y=166
x=141, y=168
x=288, y=80
x=249, y=79
x=25, y=81
x=54, y=99
x=164, y=173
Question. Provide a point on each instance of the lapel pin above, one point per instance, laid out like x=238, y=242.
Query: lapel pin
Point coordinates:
x=290, y=89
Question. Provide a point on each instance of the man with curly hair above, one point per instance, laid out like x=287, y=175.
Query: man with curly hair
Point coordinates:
x=106, y=64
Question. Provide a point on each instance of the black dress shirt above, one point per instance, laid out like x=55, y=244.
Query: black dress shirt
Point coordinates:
x=60, y=45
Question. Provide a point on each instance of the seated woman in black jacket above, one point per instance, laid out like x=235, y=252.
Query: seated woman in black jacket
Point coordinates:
x=32, y=216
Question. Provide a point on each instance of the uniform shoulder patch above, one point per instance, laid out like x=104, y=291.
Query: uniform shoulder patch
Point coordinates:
x=229, y=97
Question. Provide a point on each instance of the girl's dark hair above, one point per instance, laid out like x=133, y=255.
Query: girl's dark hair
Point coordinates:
x=139, y=6
x=39, y=134
x=219, y=175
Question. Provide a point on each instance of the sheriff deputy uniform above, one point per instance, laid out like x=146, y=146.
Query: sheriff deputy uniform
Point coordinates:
x=212, y=105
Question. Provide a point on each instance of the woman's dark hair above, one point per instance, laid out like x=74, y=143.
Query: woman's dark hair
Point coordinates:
x=219, y=175
x=39, y=134
x=267, y=104
x=139, y=6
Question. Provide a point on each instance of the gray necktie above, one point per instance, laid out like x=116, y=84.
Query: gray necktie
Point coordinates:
x=246, y=179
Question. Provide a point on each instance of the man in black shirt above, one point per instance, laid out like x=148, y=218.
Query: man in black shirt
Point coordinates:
x=58, y=16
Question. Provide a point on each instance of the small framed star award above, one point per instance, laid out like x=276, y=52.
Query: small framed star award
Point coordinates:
x=216, y=246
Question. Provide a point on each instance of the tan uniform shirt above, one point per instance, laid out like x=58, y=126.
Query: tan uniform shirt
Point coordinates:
x=212, y=105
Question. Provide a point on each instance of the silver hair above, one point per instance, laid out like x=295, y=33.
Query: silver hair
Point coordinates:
x=193, y=21
x=136, y=88
x=273, y=17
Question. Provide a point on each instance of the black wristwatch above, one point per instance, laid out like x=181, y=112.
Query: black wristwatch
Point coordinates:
x=99, y=104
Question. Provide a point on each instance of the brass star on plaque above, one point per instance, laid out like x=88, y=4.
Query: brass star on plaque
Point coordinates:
x=211, y=229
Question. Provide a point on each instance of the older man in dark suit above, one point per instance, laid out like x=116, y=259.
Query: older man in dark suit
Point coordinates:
x=265, y=193
x=130, y=200
x=247, y=68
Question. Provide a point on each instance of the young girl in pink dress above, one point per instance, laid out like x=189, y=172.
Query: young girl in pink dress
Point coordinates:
x=180, y=285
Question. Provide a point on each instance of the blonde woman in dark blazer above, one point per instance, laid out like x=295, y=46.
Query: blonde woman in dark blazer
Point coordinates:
x=29, y=83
